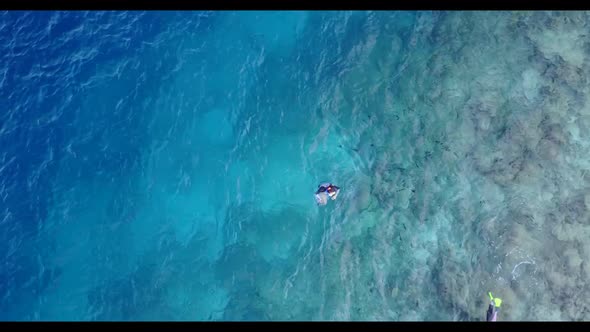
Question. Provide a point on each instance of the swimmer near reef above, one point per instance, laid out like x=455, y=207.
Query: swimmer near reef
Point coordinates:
x=493, y=308
x=326, y=190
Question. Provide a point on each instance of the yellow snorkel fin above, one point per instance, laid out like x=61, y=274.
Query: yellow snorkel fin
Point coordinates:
x=497, y=301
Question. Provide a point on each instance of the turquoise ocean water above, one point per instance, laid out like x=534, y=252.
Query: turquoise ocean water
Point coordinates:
x=162, y=165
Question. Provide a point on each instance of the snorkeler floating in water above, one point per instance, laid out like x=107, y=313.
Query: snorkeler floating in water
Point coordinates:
x=493, y=308
x=324, y=191
x=327, y=189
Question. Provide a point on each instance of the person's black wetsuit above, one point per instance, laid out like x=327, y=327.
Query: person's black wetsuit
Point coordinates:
x=327, y=187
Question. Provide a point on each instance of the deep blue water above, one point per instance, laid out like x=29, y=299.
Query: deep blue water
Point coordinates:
x=162, y=165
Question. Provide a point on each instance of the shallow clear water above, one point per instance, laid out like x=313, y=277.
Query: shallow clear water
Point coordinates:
x=162, y=165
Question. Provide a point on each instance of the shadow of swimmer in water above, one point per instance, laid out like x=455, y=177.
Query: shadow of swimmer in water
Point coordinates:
x=326, y=190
